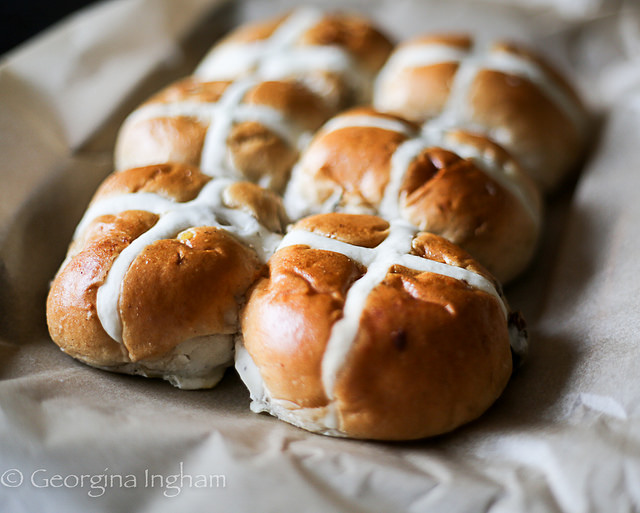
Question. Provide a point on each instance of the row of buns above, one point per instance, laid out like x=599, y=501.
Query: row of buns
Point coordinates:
x=334, y=215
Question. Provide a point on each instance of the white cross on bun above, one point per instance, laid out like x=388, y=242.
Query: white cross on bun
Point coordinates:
x=370, y=330
x=171, y=309
x=452, y=183
x=497, y=88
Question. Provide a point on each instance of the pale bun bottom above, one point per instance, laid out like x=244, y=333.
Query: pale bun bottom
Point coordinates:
x=196, y=363
x=322, y=420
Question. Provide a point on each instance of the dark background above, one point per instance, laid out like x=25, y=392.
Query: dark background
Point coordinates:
x=22, y=19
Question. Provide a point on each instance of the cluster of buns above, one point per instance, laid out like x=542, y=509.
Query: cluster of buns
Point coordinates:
x=334, y=216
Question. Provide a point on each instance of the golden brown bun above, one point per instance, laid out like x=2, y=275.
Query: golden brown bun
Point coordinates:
x=253, y=149
x=179, y=298
x=176, y=241
x=355, y=34
x=349, y=31
x=431, y=352
x=339, y=80
x=470, y=208
x=497, y=221
x=539, y=119
x=354, y=159
x=71, y=314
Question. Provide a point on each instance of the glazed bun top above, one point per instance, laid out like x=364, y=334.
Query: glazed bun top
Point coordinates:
x=182, y=197
x=246, y=130
x=390, y=333
x=174, y=201
x=449, y=182
x=499, y=89
x=366, y=161
x=327, y=52
x=163, y=255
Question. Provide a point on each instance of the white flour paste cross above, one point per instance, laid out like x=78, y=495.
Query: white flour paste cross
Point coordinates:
x=506, y=175
x=220, y=118
x=456, y=110
x=281, y=56
x=207, y=209
x=394, y=250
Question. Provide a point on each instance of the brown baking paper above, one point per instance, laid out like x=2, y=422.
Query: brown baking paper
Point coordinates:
x=564, y=437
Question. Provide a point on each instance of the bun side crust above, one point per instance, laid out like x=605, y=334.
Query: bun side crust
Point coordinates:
x=71, y=304
x=287, y=321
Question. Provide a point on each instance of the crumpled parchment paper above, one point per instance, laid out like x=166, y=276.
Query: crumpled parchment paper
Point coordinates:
x=564, y=437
